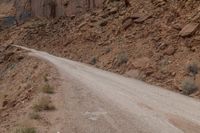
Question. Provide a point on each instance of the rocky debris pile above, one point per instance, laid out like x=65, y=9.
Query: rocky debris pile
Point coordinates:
x=156, y=38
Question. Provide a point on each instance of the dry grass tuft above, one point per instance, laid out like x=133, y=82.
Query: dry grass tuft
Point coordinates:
x=48, y=89
x=44, y=104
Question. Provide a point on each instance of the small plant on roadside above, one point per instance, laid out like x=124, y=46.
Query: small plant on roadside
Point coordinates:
x=107, y=50
x=122, y=58
x=48, y=89
x=44, y=104
x=45, y=77
x=93, y=61
x=192, y=69
x=189, y=87
x=34, y=116
x=26, y=130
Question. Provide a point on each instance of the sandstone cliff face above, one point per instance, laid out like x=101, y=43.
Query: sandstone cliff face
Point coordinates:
x=46, y=8
x=62, y=7
x=17, y=11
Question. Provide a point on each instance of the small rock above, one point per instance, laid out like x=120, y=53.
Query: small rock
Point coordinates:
x=142, y=62
x=113, y=11
x=170, y=50
x=8, y=55
x=163, y=46
x=19, y=58
x=197, y=38
x=139, y=18
x=177, y=27
x=103, y=23
x=132, y=73
x=196, y=17
x=5, y=103
x=189, y=29
x=127, y=23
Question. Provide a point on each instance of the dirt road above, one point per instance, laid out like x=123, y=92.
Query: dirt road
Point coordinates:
x=97, y=101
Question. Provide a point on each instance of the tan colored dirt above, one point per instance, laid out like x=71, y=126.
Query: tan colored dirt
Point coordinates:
x=99, y=101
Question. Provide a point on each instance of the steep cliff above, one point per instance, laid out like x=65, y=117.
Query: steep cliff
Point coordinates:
x=46, y=7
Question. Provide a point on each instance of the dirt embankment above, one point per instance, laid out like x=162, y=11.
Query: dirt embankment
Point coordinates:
x=154, y=40
x=21, y=81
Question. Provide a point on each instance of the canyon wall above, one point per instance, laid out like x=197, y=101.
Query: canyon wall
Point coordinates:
x=17, y=11
x=57, y=8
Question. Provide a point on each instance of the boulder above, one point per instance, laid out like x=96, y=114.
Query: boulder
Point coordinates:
x=189, y=29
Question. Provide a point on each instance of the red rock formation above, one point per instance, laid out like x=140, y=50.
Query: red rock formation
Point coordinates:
x=63, y=7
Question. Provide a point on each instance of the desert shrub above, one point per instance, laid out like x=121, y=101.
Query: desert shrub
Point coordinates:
x=48, y=89
x=45, y=77
x=122, y=58
x=93, y=61
x=34, y=116
x=192, y=68
x=189, y=87
x=26, y=130
x=43, y=104
x=107, y=50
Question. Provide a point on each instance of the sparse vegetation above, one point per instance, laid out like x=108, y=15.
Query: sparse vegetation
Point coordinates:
x=48, y=89
x=34, y=116
x=193, y=69
x=46, y=77
x=26, y=130
x=43, y=104
x=122, y=58
x=93, y=61
x=107, y=50
x=189, y=87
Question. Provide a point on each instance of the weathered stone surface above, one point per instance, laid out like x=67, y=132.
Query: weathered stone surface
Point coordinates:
x=189, y=29
x=170, y=50
x=141, y=62
x=139, y=18
x=103, y=23
x=132, y=73
x=127, y=23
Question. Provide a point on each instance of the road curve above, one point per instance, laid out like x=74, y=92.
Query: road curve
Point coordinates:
x=104, y=102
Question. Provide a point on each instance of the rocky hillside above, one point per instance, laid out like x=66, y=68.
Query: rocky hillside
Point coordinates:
x=156, y=41
x=23, y=80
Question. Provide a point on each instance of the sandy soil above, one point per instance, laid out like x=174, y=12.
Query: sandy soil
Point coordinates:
x=99, y=101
